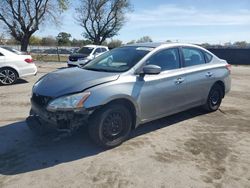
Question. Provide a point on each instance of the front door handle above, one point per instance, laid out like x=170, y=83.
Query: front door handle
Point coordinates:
x=179, y=81
x=209, y=74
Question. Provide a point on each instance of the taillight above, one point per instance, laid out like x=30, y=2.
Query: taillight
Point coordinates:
x=28, y=60
x=229, y=67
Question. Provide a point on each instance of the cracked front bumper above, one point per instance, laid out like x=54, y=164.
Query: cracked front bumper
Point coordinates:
x=61, y=120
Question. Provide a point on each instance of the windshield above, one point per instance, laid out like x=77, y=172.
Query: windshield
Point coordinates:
x=119, y=59
x=85, y=50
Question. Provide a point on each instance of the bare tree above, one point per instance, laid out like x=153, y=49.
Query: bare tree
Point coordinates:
x=102, y=19
x=22, y=18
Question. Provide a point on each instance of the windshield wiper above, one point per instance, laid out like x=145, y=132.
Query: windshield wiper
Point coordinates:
x=100, y=70
x=96, y=69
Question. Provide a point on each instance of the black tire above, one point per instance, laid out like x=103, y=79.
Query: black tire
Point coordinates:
x=214, y=98
x=110, y=126
x=8, y=76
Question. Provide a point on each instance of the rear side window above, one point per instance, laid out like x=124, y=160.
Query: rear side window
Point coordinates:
x=208, y=57
x=167, y=59
x=193, y=57
x=104, y=49
x=98, y=51
x=1, y=54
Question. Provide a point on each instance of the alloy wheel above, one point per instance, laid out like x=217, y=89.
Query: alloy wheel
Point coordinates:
x=7, y=76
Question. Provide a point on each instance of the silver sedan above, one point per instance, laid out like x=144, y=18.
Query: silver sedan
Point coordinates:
x=129, y=86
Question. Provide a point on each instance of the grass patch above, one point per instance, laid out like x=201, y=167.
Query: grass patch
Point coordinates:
x=49, y=58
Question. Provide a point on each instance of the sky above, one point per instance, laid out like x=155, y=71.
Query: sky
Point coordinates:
x=192, y=21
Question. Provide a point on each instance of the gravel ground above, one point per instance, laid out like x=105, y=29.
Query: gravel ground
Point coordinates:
x=190, y=149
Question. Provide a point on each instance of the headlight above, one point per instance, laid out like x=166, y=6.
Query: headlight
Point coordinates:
x=69, y=102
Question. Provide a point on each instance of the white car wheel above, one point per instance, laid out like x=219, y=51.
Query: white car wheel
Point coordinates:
x=7, y=76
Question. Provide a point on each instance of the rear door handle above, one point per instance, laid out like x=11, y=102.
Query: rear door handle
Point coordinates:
x=209, y=74
x=179, y=81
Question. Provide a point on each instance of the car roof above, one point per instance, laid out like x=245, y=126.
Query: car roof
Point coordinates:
x=162, y=44
x=95, y=46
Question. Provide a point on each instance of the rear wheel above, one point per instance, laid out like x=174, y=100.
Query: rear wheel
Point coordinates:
x=8, y=76
x=214, y=98
x=110, y=126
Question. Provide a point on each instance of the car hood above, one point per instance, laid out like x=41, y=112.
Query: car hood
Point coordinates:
x=71, y=80
x=78, y=55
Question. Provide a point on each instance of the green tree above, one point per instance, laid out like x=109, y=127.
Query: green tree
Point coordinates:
x=12, y=41
x=2, y=39
x=48, y=41
x=80, y=43
x=63, y=39
x=240, y=44
x=114, y=44
x=131, y=42
x=205, y=45
x=34, y=40
x=22, y=18
x=144, y=39
x=102, y=19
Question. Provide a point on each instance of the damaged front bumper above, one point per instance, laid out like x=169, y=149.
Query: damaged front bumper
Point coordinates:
x=41, y=119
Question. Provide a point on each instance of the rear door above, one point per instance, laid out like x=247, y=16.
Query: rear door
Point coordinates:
x=197, y=74
x=162, y=94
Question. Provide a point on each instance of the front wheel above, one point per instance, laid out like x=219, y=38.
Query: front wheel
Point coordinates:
x=110, y=126
x=214, y=99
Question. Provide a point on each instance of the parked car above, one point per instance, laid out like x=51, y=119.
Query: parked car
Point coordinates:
x=129, y=86
x=86, y=54
x=14, y=66
x=74, y=50
x=13, y=50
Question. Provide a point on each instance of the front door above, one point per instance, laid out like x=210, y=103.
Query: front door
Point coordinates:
x=162, y=94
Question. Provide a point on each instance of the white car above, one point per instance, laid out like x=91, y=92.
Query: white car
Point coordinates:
x=86, y=54
x=14, y=66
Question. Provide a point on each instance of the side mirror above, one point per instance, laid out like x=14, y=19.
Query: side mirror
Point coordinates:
x=151, y=69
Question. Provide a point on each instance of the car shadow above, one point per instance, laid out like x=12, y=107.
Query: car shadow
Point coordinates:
x=21, y=151
x=19, y=81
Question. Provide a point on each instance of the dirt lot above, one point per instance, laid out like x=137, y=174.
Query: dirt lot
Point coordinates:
x=190, y=149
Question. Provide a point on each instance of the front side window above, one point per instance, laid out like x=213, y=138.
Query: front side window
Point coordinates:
x=118, y=60
x=166, y=59
x=193, y=57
